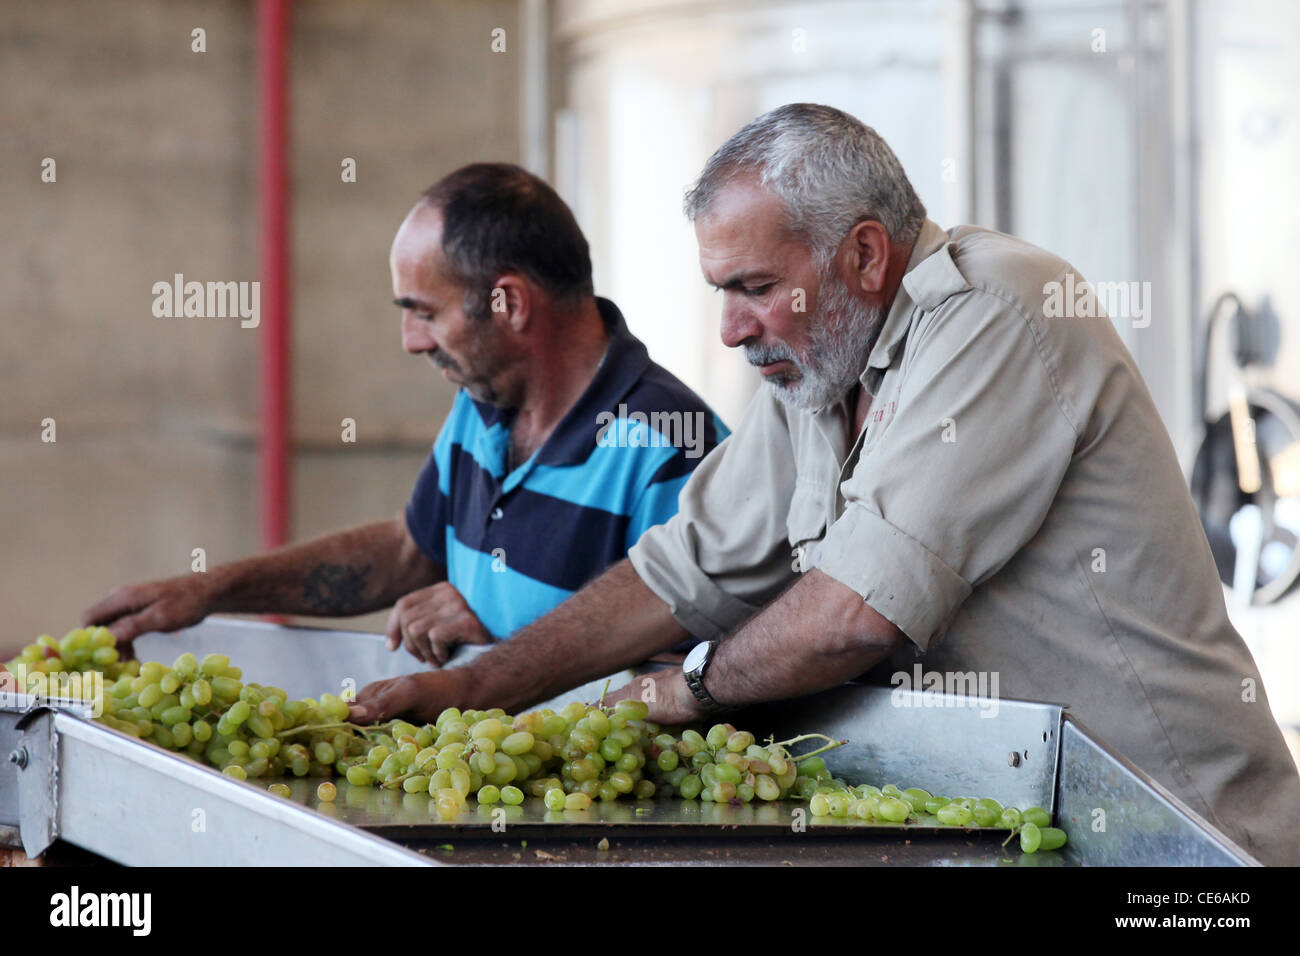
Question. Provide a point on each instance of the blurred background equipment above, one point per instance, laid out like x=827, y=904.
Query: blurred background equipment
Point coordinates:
x=1246, y=478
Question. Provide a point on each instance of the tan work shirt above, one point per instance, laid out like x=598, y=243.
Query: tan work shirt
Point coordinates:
x=1015, y=506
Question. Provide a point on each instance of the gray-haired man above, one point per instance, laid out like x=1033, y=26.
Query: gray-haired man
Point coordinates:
x=945, y=462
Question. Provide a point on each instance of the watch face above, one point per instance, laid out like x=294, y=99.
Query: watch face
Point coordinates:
x=696, y=658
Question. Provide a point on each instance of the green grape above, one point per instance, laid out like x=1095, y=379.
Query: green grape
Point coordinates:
x=327, y=791
x=279, y=789
x=488, y=795
x=726, y=773
x=225, y=689
x=238, y=748
x=182, y=735
x=820, y=805
x=175, y=715
x=985, y=816
x=1052, y=838
x=916, y=798
x=628, y=762
x=186, y=665
x=512, y=796
x=169, y=683
x=461, y=782
x=765, y=788
x=610, y=749
x=214, y=665
x=152, y=672
x=953, y=815
x=577, y=801
x=360, y=776
x=1037, y=816
x=104, y=656
x=418, y=783
x=690, y=787
x=632, y=709
x=811, y=767
x=739, y=741
x=690, y=744
x=1011, y=818
x=260, y=726
x=1030, y=838
x=666, y=761
x=151, y=694
x=554, y=799
x=239, y=712
x=934, y=803
x=717, y=736
x=236, y=771
x=518, y=743
x=326, y=753
x=644, y=789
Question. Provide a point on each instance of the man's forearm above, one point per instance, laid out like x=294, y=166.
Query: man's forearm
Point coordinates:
x=612, y=623
x=817, y=634
x=351, y=572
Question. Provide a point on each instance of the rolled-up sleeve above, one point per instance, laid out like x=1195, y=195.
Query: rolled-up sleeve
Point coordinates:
x=962, y=475
x=725, y=553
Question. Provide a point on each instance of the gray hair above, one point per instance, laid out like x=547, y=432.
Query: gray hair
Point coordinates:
x=829, y=170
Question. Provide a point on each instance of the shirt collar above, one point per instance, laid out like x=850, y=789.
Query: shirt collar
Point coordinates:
x=930, y=278
x=625, y=361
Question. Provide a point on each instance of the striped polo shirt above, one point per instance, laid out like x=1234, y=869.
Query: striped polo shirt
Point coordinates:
x=517, y=544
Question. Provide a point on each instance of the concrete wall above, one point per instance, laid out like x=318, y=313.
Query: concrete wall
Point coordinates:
x=155, y=151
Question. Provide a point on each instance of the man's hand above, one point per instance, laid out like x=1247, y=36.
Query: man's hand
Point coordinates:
x=667, y=694
x=416, y=697
x=169, y=605
x=432, y=621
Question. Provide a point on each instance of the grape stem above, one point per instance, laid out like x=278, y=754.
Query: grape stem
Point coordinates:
x=831, y=744
x=314, y=727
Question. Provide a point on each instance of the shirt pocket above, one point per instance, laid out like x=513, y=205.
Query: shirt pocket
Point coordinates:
x=806, y=519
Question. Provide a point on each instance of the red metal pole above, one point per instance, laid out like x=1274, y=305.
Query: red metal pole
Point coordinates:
x=273, y=200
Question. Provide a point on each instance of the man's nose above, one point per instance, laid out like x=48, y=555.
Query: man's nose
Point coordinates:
x=739, y=323
x=415, y=335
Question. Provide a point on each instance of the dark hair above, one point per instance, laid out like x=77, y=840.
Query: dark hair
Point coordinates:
x=498, y=217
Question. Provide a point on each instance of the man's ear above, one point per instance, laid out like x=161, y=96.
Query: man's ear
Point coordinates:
x=869, y=255
x=512, y=301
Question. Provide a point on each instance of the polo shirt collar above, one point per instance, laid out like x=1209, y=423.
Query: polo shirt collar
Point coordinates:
x=626, y=360
x=931, y=276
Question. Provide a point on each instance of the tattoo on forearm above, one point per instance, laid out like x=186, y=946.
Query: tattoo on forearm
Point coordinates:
x=336, y=588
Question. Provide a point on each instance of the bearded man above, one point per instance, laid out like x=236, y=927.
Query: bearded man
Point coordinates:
x=945, y=461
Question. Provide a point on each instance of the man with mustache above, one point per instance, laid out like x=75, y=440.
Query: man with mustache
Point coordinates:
x=531, y=490
x=958, y=476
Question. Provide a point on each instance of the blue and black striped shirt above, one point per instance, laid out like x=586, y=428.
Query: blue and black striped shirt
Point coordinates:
x=516, y=545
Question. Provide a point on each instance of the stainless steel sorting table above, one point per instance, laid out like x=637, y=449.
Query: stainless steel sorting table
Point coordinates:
x=69, y=778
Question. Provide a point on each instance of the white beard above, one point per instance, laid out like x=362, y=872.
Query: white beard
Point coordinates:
x=840, y=335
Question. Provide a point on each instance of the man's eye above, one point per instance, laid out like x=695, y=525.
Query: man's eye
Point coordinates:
x=758, y=290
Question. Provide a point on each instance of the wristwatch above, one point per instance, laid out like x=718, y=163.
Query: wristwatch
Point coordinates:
x=693, y=669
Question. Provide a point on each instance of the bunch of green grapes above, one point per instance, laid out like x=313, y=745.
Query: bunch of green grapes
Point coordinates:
x=204, y=709
x=889, y=804
x=604, y=753
x=724, y=765
x=50, y=666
